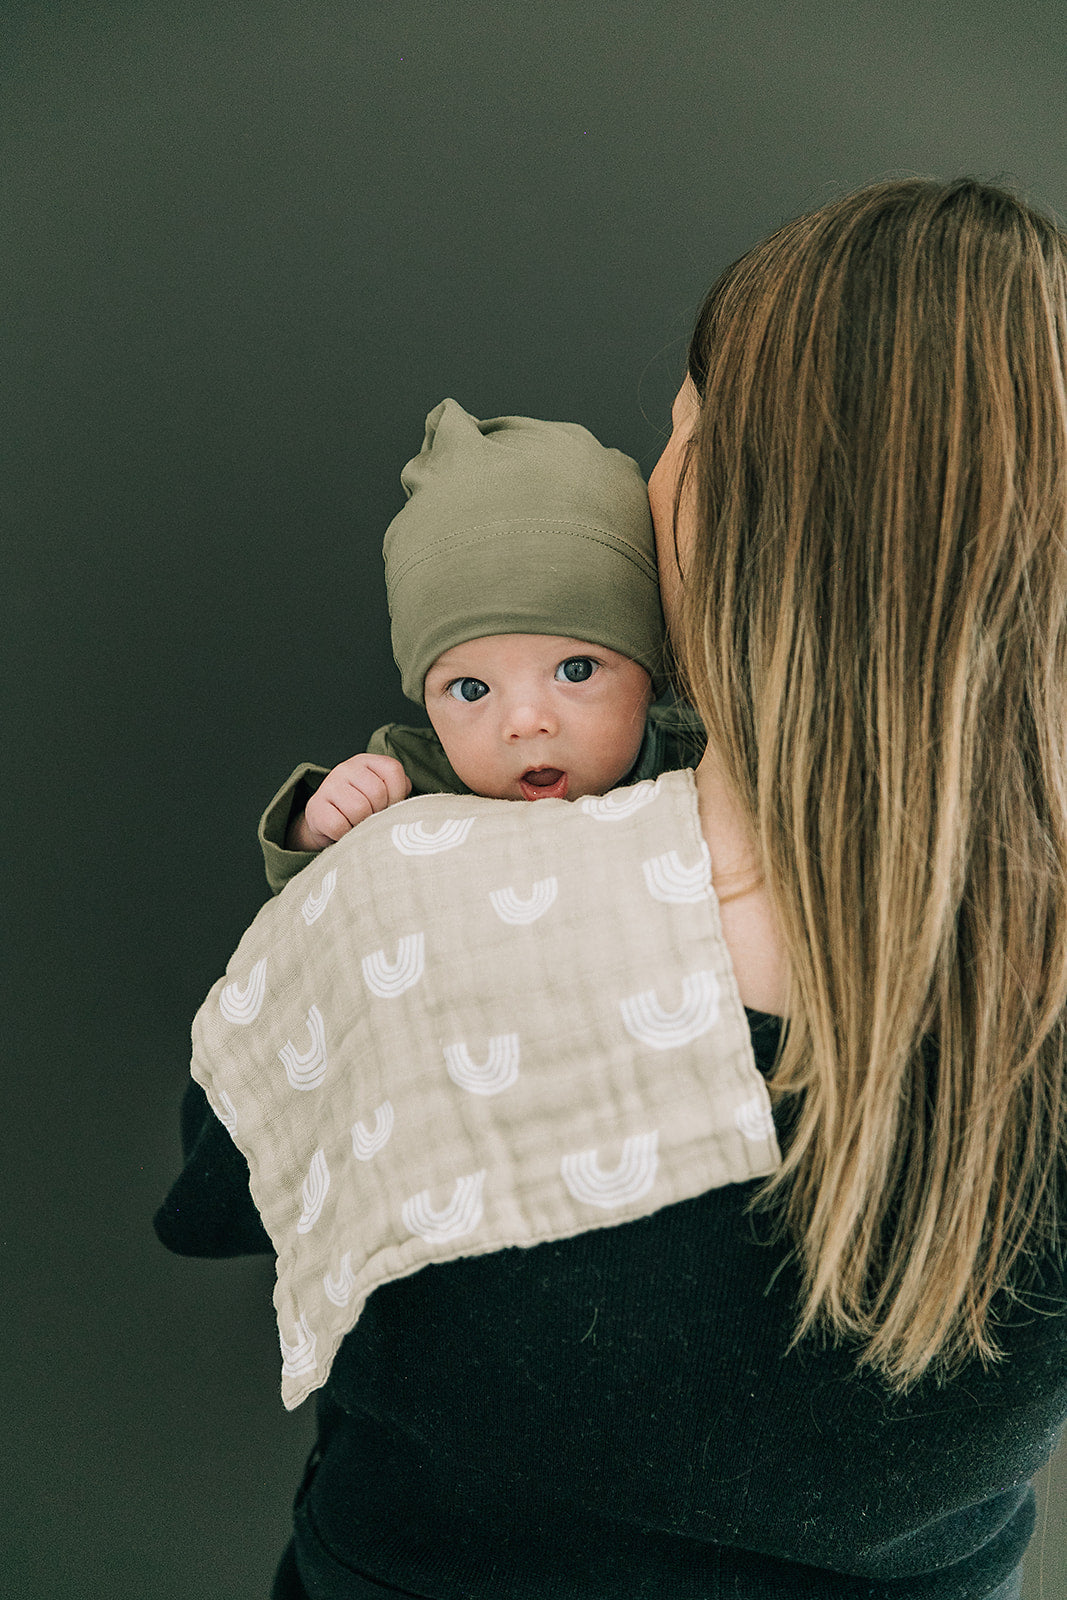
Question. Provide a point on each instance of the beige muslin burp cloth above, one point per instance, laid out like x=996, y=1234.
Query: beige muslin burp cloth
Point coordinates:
x=474, y=1024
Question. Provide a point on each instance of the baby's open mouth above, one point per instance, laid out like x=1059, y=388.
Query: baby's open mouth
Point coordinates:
x=544, y=783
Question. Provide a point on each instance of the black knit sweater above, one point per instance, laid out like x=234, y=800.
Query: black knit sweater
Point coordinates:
x=615, y=1416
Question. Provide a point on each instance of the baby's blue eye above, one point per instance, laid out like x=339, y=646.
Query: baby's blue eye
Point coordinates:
x=468, y=689
x=576, y=669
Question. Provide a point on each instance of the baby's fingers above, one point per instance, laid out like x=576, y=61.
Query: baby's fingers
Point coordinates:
x=396, y=781
x=328, y=816
x=352, y=792
x=361, y=793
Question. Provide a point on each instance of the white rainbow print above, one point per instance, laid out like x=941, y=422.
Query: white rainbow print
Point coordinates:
x=298, y=1357
x=366, y=1142
x=499, y=1071
x=754, y=1119
x=316, y=1184
x=461, y=1215
x=226, y=1111
x=416, y=839
x=646, y=1020
x=240, y=1003
x=339, y=1288
x=620, y=803
x=668, y=881
x=630, y=1180
x=315, y=904
x=306, y=1070
x=510, y=907
x=387, y=978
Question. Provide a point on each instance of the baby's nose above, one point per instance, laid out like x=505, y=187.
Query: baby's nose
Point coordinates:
x=526, y=718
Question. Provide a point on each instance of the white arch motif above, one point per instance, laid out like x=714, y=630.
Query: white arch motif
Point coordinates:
x=339, y=1288
x=619, y=803
x=416, y=839
x=387, y=978
x=754, y=1119
x=511, y=908
x=498, y=1072
x=315, y=904
x=241, y=1003
x=366, y=1142
x=630, y=1180
x=298, y=1357
x=668, y=881
x=226, y=1111
x=646, y=1021
x=307, y=1070
x=461, y=1215
x=314, y=1195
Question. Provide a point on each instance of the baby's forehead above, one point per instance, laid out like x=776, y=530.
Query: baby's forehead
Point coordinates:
x=509, y=650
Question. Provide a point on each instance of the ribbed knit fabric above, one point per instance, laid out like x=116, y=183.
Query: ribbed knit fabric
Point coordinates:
x=615, y=1416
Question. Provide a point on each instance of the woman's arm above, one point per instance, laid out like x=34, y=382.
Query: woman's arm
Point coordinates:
x=209, y=1210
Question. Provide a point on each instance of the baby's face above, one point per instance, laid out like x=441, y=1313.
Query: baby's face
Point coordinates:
x=532, y=716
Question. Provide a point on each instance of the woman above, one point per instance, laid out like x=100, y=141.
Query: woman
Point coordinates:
x=837, y=1382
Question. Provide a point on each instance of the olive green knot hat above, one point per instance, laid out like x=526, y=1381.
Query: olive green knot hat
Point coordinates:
x=518, y=526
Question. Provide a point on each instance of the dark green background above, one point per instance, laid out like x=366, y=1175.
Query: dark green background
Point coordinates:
x=246, y=248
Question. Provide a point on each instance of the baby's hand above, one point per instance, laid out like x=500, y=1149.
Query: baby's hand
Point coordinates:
x=353, y=791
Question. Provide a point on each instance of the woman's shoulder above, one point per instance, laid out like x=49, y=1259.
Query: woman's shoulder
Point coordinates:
x=757, y=953
x=749, y=925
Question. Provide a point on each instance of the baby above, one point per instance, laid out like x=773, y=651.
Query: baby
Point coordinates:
x=526, y=619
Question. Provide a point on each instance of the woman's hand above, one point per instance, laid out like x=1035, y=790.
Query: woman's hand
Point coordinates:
x=353, y=791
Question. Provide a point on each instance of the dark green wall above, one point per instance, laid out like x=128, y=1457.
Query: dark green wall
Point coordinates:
x=246, y=248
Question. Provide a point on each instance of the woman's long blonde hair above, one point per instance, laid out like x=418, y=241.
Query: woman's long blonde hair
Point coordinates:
x=873, y=625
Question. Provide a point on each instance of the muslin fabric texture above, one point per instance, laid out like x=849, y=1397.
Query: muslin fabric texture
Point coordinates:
x=474, y=1024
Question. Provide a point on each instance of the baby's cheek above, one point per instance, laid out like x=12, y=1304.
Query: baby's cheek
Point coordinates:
x=616, y=755
x=478, y=767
